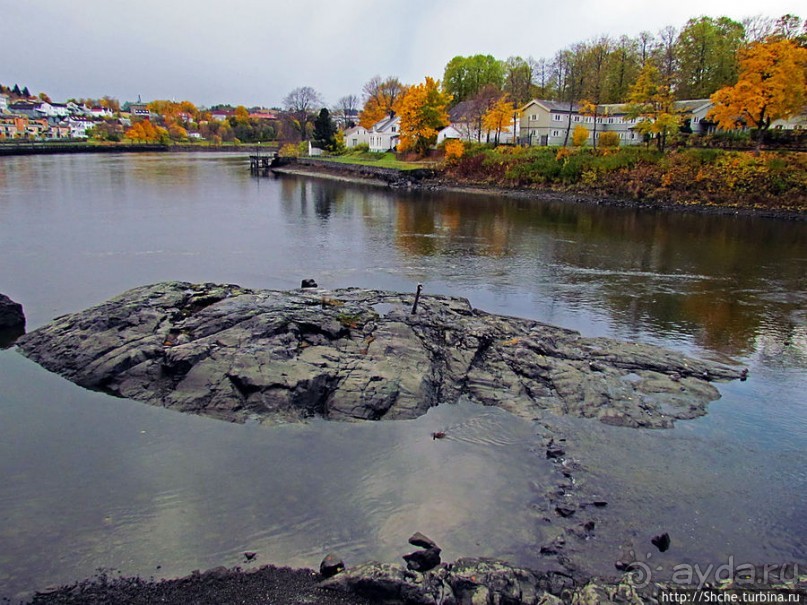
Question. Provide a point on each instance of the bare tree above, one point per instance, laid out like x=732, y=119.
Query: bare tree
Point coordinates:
x=346, y=110
x=301, y=103
x=757, y=28
x=665, y=53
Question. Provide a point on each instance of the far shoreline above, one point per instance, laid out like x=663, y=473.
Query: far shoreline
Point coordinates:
x=412, y=180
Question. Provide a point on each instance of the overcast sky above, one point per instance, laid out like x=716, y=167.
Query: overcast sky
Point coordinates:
x=254, y=52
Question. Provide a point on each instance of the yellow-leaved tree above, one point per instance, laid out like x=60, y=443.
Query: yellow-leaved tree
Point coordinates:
x=771, y=85
x=498, y=118
x=423, y=111
x=651, y=100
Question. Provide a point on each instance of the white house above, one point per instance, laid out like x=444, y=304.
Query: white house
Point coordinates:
x=450, y=132
x=79, y=125
x=357, y=135
x=3, y=103
x=100, y=112
x=384, y=135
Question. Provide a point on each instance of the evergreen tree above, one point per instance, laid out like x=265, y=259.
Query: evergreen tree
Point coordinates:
x=25, y=92
x=324, y=131
x=16, y=91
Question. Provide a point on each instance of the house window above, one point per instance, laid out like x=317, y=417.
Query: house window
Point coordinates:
x=556, y=133
x=576, y=118
x=533, y=117
x=557, y=117
x=394, y=129
x=695, y=120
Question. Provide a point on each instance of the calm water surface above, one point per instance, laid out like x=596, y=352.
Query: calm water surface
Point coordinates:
x=88, y=481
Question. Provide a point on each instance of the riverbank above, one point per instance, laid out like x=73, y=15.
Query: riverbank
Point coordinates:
x=592, y=193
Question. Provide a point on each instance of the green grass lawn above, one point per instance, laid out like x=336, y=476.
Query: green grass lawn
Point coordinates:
x=381, y=160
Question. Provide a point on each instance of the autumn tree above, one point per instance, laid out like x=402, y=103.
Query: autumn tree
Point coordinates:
x=651, y=101
x=146, y=132
x=771, y=86
x=301, y=103
x=381, y=98
x=499, y=117
x=464, y=77
x=423, y=112
x=171, y=112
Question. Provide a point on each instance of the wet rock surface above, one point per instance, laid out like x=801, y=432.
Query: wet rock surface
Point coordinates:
x=469, y=581
x=218, y=586
x=356, y=354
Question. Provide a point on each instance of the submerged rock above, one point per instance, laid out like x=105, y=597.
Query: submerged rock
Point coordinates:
x=234, y=353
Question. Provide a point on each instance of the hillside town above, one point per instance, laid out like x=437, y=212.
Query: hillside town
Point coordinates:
x=37, y=118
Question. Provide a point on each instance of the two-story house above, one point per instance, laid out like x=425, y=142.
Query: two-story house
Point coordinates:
x=384, y=135
x=552, y=123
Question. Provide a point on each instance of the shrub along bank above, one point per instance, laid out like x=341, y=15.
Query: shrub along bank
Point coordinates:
x=769, y=180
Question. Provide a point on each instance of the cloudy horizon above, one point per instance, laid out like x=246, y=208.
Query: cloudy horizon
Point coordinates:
x=253, y=53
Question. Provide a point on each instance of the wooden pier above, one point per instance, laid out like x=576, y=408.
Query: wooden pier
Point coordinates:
x=260, y=165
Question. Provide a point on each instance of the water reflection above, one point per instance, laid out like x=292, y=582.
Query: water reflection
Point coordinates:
x=90, y=481
x=665, y=273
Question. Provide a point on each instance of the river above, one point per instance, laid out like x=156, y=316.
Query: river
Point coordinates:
x=88, y=481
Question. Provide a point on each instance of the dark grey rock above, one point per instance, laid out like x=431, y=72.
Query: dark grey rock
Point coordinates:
x=11, y=315
x=423, y=560
x=554, y=451
x=308, y=283
x=331, y=565
x=565, y=511
x=418, y=539
x=662, y=542
x=236, y=354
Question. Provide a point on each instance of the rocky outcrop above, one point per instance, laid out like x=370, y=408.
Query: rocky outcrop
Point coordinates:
x=11, y=315
x=12, y=321
x=235, y=353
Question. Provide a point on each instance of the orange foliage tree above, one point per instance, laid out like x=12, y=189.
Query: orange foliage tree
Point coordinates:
x=423, y=111
x=771, y=85
x=381, y=99
x=147, y=132
x=454, y=149
x=499, y=117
